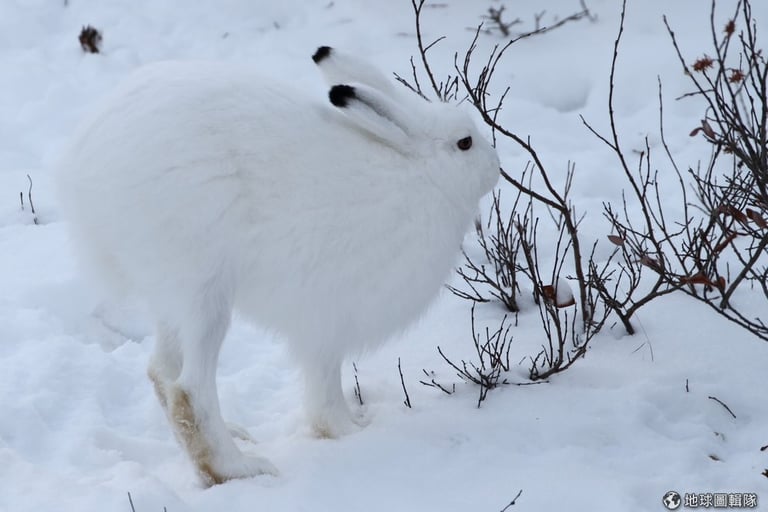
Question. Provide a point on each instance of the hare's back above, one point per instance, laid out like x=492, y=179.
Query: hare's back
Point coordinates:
x=172, y=113
x=156, y=172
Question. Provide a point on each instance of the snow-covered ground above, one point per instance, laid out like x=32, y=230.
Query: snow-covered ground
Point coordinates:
x=79, y=423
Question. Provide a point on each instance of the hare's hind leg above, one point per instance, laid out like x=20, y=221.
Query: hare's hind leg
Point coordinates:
x=324, y=401
x=193, y=405
x=166, y=362
x=165, y=368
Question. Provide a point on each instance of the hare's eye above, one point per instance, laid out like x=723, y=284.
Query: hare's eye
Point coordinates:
x=465, y=143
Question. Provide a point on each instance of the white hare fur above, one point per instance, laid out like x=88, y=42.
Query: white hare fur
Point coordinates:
x=202, y=188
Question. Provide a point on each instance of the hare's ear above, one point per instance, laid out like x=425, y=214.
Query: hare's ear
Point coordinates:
x=373, y=112
x=340, y=68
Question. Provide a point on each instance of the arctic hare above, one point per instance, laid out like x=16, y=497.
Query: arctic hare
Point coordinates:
x=201, y=188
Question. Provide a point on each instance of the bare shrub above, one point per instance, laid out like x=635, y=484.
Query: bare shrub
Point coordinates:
x=500, y=243
x=492, y=352
x=716, y=248
x=505, y=249
x=566, y=338
x=719, y=244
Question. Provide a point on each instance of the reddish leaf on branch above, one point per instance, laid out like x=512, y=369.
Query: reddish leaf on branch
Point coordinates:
x=758, y=219
x=703, y=64
x=617, y=240
x=561, y=295
x=548, y=291
x=730, y=27
x=737, y=76
x=652, y=263
x=697, y=279
x=726, y=242
x=733, y=212
x=706, y=128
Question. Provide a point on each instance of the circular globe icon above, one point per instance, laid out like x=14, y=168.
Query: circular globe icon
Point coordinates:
x=672, y=500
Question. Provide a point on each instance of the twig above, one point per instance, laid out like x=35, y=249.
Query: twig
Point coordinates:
x=407, y=400
x=721, y=403
x=29, y=197
x=417, y=6
x=495, y=16
x=500, y=247
x=434, y=384
x=358, y=393
x=514, y=500
x=493, y=359
x=584, y=13
x=130, y=500
x=495, y=19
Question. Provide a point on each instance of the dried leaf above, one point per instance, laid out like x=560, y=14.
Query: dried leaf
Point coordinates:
x=548, y=291
x=708, y=131
x=703, y=64
x=90, y=39
x=758, y=219
x=726, y=242
x=695, y=132
x=563, y=294
x=652, y=263
x=733, y=212
x=721, y=283
x=697, y=279
x=736, y=77
x=617, y=240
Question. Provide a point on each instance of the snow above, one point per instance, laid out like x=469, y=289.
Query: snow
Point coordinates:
x=80, y=426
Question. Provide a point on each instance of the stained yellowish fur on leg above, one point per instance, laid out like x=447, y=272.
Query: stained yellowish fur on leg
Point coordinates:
x=323, y=431
x=159, y=389
x=188, y=428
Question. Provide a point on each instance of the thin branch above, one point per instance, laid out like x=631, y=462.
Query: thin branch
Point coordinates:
x=407, y=400
x=31, y=204
x=513, y=502
x=358, y=392
x=723, y=404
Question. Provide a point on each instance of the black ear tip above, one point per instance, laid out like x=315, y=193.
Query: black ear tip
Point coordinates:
x=321, y=53
x=341, y=94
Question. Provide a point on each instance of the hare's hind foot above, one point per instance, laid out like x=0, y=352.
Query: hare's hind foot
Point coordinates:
x=216, y=458
x=326, y=408
x=241, y=433
x=332, y=426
